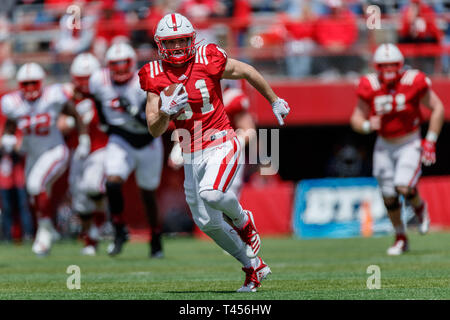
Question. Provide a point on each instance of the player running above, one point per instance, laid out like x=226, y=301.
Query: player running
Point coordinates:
x=130, y=146
x=236, y=104
x=34, y=109
x=87, y=176
x=389, y=103
x=210, y=147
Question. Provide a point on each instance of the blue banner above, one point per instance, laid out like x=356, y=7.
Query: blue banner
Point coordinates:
x=339, y=208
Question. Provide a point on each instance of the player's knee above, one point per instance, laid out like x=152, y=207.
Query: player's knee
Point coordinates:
x=392, y=203
x=33, y=187
x=210, y=228
x=115, y=197
x=115, y=179
x=211, y=197
x=408, y=192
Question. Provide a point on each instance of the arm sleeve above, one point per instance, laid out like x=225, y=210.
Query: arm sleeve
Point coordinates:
x=145, y=80
x=217, y=58
x=364, y=90
x=6, y=108
x=422, y=83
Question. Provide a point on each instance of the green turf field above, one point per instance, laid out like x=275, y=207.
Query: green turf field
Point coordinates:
x=198, y=269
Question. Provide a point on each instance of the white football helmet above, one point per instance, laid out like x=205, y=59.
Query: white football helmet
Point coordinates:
x=30, y=77
x=175, y=26
x=83, y=66
x=121, y=61
x=388, y=54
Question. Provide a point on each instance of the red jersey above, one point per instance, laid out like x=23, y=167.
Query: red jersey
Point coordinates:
x=204, y=117
x=398, y=106
x=12, y=174
x=88, y=112
x=235, y=102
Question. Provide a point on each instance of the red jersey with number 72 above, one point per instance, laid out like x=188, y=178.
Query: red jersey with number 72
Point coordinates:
x=398, y=106
x=204, y=117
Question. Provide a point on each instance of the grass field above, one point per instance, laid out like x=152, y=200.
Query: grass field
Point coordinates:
x=198, y=269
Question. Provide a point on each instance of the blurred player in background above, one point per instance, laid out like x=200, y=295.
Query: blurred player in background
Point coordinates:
x=130, y=146
x=34, y=110
x=87, y=177
x=207, y=139
x=389, y=103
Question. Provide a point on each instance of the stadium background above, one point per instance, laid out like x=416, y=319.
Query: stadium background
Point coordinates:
x=281, y=39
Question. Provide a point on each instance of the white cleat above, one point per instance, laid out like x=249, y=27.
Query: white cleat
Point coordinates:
x=250, y=236
x=400, y=245
x=89, y=251
x=44, y=237
x=424, y=220
x=253, y=277
x=43, y=242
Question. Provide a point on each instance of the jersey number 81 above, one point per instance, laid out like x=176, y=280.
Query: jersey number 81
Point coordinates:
x=207, y=105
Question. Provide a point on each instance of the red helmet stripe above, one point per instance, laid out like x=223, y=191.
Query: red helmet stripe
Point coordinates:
x=174, y=22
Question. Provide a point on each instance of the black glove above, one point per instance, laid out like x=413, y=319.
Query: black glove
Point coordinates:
x=136, y=112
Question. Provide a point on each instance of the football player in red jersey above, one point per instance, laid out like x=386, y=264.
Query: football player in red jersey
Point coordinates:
x=236, y=104
x=87, y=176
x=389, y=103
x=208, y=141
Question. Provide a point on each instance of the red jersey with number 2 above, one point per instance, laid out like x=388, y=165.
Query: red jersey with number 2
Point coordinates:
x=398, y=106
x=205, y=116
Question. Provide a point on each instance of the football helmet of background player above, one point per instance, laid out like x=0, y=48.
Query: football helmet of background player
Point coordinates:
x=388, y=61
x=30, y=77
x=121, y=61
x=83, y=66
x=175, y=26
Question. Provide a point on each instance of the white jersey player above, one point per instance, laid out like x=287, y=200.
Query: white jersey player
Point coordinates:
x=34, y=110
x=130, y=146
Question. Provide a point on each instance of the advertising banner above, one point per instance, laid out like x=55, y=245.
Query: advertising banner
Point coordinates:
x=339, y=208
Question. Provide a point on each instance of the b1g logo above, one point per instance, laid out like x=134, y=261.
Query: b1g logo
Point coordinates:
x=326, y=205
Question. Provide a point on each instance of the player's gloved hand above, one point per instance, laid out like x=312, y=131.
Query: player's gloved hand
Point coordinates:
x=130, y=108
x=84, y=147
x=281, y=109
x=171, y=105
x=176, y=157
x=8, y=142
x=428, y=152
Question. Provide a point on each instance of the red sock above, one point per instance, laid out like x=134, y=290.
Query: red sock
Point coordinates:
x=418, y=210
x=43, y=205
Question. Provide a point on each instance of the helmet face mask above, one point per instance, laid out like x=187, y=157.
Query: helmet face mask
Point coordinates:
x=388, y=61
x=31, y=90
x=171, y=28
x=83, y=66
x=121, y=70
x=389, y=72
x=81, y=83
x=121, y=61
x=30, y=77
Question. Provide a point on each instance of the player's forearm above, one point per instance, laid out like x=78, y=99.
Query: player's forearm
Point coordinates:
x=360, y=124
x=436, y=121
x=157, y=123
x=259, y=83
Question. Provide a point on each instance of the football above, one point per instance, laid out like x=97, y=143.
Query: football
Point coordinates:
x=169, y=90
